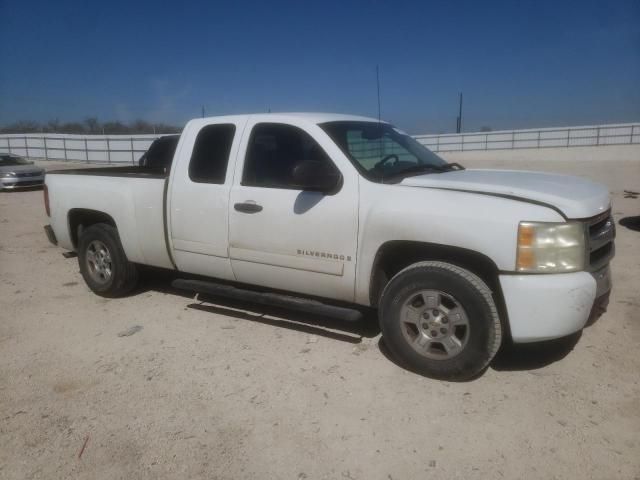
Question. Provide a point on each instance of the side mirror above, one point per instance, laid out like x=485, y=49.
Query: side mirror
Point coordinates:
x=316, y=176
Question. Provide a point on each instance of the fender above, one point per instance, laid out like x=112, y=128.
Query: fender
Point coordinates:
x=465, y=221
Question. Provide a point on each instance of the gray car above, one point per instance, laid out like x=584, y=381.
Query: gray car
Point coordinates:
x=17, y=172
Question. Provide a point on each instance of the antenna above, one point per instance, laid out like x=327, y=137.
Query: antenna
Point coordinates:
x=380, y=148
x=459, y=119
x=378, y=86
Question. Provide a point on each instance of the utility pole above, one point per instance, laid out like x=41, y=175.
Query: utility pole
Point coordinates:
x=459, y=119
x=378, y=90
x=202, y=111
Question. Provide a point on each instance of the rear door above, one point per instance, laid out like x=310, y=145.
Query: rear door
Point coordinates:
x=199, y=195
x=285, y=238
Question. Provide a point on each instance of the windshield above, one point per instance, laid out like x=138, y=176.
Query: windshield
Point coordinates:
x=381, y=152
x=6, y=160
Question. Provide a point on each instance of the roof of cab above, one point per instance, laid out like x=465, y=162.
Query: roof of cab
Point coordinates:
x=314, y=117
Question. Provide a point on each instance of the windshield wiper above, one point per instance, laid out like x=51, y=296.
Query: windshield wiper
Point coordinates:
x=452, y=166
x=425, y=167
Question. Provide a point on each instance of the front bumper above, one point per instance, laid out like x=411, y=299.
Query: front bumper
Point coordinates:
x=548, y=306
x=14, y=183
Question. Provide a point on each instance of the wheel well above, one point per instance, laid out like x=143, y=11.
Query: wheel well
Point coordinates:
x=80, y=218
x=396, y=255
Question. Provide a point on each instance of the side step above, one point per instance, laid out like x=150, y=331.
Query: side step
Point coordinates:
x=268, y=298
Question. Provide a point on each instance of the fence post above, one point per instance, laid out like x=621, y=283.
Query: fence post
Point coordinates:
x=46, y=152
x=64, y=147
x=438, y=143
x=26, y=145
x=486, y=141
x=86, y=150
x=513, y=139
x=598, y=135
x=108, y=151
x=631, y=136
x=133, y=162
x=568, y=133
x=538, y=138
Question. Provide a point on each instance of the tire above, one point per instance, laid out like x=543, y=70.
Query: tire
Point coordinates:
x=440, y=320
x=103, y=263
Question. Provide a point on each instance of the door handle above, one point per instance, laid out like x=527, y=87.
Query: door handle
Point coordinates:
x=248, y=207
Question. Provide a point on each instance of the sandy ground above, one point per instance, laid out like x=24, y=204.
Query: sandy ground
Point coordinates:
x=229, y=391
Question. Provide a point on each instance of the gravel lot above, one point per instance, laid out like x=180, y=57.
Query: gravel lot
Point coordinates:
x=231, y=391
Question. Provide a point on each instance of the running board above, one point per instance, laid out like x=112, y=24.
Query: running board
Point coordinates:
x=268, y=298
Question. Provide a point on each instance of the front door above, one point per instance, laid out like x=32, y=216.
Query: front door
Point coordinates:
x=285, y=238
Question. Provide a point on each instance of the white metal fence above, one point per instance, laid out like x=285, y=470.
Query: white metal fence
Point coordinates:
x=587, y=136
x=129, y=148
x=85, y=148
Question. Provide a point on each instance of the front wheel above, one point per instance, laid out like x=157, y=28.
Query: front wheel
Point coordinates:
x=103, y=263
x=440, y=320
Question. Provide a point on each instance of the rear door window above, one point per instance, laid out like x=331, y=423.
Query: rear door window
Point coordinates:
x=210, y=155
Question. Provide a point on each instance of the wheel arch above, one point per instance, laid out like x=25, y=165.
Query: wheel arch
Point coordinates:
x=393, y=256
x=81, y=218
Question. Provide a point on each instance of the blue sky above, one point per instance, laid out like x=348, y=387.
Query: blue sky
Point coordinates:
x=519, y=63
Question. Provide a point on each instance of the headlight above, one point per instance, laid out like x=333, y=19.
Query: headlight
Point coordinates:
x=7, y=175
x=550, y=247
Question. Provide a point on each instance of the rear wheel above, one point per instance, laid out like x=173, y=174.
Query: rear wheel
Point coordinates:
x=440, y=320
x=103, y=263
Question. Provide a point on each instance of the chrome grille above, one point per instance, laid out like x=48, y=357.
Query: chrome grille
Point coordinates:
x=601, y=231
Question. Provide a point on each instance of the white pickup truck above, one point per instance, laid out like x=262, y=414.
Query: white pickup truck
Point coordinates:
x=349, y=211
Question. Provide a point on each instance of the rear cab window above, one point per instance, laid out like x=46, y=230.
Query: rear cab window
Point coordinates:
x=160, y=153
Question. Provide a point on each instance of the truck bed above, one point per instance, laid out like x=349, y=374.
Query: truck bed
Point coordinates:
x=132, y=196
x=125, y=171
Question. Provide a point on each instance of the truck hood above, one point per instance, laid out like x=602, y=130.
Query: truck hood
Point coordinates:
x=575, y=197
